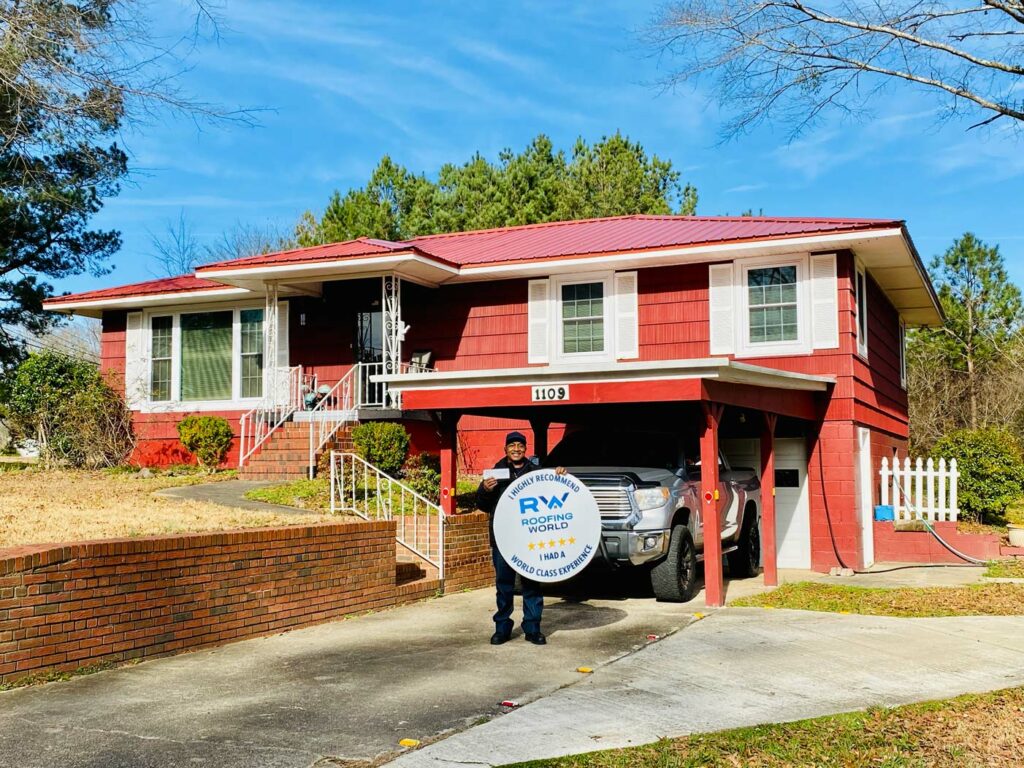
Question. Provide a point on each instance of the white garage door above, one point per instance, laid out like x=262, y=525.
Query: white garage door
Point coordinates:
x=792, y=511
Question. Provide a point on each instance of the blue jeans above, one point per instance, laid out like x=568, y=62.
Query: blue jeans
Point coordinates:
x=533, y=600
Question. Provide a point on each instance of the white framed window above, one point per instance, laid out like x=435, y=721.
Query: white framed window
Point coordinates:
x=583, y=317
x=860, y=286
x=774, y=307
x=205, y=358
x=903, y=353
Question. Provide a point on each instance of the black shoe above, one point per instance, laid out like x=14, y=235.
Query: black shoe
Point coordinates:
x=499, y=637
x=537, y=638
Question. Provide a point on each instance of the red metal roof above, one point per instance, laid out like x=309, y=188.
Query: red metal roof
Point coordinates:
x=364, y=246
x=180, y=284
x=624, y=233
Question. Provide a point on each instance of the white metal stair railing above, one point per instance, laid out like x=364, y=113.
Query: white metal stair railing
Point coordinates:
x=360, y=488
x=257, y=425
x=334, y=409
x=920, y=490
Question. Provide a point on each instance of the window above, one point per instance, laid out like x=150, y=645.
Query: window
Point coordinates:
x=162, y=329
x=772, y=304
x=252, y=352
x=861, y=295
x=206, y=345
x=582, y=318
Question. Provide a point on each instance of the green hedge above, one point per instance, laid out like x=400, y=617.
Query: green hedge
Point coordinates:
x=991, y=466
x=208, y=438
x=382, y=443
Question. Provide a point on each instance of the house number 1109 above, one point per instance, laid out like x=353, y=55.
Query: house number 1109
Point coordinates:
x=550, y=392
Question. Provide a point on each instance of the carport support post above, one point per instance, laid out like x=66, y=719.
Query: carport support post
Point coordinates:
x=768, y=546
x=712, y=516
x=448, y=427
x=540, y=438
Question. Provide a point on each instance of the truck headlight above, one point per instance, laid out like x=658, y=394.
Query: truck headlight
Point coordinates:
x=650, y=498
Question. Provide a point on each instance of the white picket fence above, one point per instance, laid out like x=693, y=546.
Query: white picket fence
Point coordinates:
x=920, y=489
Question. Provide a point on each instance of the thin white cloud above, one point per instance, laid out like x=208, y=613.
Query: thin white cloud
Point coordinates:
x=745, y=188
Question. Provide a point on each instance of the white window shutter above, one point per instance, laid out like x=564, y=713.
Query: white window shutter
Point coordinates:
x=283, y=357
x=627, y=331
x=721, y=310
x=824, y=302
x=538, y=321
x=136, y=364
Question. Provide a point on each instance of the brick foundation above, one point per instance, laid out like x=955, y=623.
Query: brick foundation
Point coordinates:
x=467, y=552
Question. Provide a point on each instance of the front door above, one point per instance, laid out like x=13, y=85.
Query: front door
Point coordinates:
x=368, y=350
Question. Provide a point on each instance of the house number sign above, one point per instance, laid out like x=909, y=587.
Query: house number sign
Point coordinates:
x=545, y=393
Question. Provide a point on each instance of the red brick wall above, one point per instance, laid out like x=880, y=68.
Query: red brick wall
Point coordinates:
x=921, y=547
x=68, y=606
x=831, y=476
x=467, y=552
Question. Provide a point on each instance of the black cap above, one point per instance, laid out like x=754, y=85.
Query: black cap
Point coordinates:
x=515, y=437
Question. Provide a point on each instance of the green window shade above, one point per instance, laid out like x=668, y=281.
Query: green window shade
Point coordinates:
x=252, y=352
x=772, y=304
x=206, y=356
x=583, y=318
x=160, y=358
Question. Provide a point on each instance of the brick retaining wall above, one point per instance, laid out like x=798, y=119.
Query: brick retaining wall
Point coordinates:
x=66, y=606
x=467, y=552
x=921, y=547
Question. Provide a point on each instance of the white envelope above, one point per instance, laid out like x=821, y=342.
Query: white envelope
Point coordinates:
x=497, y=474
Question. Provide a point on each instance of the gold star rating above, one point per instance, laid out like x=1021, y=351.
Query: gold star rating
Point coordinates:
x=551, y=543
x=541, y=545
x=562, y=542
x=572, y=540
x=530, y=545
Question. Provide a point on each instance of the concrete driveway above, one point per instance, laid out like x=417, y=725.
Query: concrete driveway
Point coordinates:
x=346, y=691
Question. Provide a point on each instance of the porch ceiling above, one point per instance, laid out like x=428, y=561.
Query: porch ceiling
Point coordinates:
x=718, y=379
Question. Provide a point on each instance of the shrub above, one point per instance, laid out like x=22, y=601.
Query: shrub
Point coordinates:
x=991, y=465
x=422, y=473
x=382, y=443
x=65, y=405
x=208, y=438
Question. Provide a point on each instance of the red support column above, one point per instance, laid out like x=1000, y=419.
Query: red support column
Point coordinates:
x=768, y=545
x=448, y=427
x=711, y=506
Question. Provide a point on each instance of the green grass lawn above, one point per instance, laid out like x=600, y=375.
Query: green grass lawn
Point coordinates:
x=976, y=730
x=315, y=495
x=1006, y=569
x=972, y=600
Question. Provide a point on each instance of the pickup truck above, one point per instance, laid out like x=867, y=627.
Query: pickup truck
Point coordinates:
x=648, y=489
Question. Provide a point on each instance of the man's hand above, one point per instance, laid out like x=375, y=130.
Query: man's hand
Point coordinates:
x=490, y=483
x=560, y=470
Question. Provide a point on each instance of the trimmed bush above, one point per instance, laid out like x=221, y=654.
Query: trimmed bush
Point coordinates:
x=991, y=466
x=382, y=443
x=422, y=473
x=208, y=438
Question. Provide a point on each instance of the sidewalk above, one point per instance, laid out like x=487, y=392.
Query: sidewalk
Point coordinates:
x=741, y=667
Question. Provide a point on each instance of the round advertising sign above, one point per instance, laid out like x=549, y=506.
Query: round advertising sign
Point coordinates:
x=547, y=526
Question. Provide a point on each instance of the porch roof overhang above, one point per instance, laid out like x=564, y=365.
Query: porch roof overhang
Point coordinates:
x=713, y=379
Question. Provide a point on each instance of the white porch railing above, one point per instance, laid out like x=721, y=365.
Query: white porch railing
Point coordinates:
x=338, y=406
x=362, y=489
x=920, y=490
x=284, y=398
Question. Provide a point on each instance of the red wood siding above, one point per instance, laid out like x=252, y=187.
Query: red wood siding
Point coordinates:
x=112, y=348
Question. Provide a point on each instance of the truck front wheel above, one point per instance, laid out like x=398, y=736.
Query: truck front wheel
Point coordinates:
x=674, y=579
x=746, y=560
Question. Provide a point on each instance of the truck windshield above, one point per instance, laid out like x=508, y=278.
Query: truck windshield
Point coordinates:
x=611, y=448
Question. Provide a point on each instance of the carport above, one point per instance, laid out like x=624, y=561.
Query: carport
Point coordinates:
x=555, y=394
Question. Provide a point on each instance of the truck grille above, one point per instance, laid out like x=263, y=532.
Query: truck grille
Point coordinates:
x=612, y=496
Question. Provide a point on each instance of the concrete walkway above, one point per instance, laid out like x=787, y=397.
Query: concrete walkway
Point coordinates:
x=231, y=493
x=742, y=667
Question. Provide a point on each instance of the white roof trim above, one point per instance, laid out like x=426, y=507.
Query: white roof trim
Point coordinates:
x=144, y=300
x=382, y=261
x=720, y=369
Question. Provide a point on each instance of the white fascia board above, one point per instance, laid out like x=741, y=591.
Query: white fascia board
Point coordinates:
x=667, y=256
x=370, y=264
x=94, y=307
x=720, y=369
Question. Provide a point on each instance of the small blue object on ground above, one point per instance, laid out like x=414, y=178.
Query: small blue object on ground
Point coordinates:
x=884, y=512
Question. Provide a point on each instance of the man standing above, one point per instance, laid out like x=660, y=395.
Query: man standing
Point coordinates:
x=487, y=495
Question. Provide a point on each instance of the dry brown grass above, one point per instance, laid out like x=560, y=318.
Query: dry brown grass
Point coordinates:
x=43, y=506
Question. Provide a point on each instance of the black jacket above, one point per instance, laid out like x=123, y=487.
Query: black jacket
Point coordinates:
x=488, y=500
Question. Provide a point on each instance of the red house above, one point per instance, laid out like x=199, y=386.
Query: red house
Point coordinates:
x=779, y=339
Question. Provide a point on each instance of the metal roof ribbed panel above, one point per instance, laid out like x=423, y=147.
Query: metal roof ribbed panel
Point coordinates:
x=363, y=246
x=180, y=284
x=626, y=233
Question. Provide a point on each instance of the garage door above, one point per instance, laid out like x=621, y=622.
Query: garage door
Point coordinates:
x=792, y=511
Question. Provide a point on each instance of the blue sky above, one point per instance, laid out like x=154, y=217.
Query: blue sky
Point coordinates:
x=428, y=83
